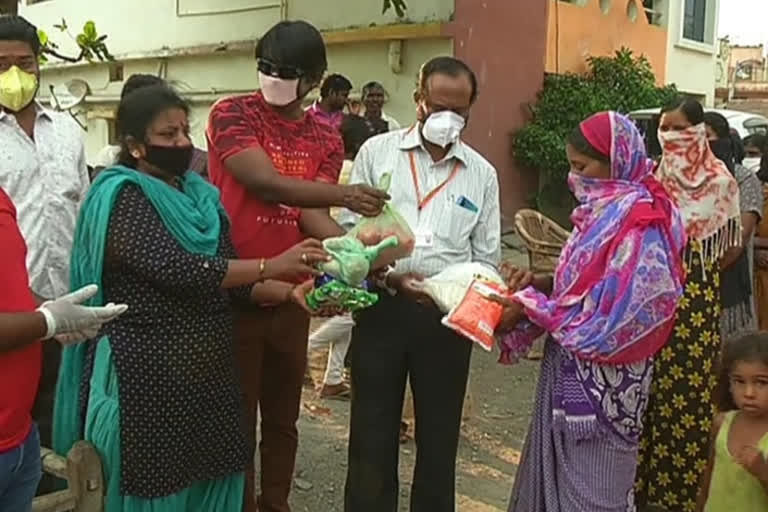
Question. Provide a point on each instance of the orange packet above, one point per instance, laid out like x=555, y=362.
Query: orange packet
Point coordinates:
x=477, y=316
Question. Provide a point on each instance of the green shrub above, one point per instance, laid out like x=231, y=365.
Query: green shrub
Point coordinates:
x=622, y=83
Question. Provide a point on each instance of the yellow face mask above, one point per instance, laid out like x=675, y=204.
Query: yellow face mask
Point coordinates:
x=17, y=89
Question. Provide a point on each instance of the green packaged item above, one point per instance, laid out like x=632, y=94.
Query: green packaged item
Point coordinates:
x=332, y=293
x=351, y=260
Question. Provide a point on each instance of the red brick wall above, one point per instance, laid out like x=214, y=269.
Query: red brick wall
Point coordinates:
x=504, y=41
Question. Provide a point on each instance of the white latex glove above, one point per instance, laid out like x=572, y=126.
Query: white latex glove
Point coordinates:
x=72, y=338
x=66, y=316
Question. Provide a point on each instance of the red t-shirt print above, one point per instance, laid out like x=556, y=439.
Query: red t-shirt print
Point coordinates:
x=20, y=369
x=305, y=149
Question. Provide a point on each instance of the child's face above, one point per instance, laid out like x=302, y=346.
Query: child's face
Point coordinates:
x=749, y=387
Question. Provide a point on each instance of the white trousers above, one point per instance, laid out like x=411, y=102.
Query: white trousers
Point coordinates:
x=336, y=332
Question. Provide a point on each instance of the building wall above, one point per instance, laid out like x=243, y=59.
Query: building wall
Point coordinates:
x=178, y=53
x=505, y=43
x=692, y=65
x=157, y=24
x=581, y=29
x=174, y=47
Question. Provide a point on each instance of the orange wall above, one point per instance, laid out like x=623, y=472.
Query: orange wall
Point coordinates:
x=576, y=32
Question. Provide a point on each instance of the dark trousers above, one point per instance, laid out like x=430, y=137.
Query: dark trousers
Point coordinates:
x=42, y=411
x=392, y=340
x=272, y=353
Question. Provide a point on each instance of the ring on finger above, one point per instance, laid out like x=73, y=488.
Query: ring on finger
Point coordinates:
x=304, y=257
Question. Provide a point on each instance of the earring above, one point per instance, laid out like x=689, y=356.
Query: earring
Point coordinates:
x=135, y=154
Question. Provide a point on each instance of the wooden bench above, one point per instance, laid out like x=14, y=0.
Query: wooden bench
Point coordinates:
x=85, y=481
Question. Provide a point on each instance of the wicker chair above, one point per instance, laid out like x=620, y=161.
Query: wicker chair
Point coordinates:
x=543, y=238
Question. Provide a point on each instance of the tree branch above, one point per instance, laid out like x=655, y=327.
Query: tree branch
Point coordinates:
x=54, y=53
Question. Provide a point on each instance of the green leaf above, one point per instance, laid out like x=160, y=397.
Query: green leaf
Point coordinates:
x=622, y=82
x=89, y=29
x=43, y=37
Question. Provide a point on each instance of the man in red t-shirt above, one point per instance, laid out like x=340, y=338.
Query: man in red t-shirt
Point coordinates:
x=21, y=326
x=277, y=170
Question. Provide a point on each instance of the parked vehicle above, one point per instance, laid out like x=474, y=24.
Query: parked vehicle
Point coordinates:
x=745, y=123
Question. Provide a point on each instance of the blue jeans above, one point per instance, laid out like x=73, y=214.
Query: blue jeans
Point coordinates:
x=20, y=472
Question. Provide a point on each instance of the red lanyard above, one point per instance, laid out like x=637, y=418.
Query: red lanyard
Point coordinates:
x=422, y=202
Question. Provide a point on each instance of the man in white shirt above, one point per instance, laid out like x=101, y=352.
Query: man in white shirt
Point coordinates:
x=449, y=195
x=374, y=96
x=45, y=174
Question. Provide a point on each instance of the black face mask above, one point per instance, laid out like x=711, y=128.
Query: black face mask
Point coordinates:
x=171, y=159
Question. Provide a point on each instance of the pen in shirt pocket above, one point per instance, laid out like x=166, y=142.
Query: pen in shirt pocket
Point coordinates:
x=467, y=204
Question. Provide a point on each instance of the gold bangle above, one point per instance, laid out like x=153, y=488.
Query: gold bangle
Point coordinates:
x=262, y=268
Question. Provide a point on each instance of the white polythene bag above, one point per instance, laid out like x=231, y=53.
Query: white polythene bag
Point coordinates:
x=448, y=287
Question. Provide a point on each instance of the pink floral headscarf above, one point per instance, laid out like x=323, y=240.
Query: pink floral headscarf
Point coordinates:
x=620, y=275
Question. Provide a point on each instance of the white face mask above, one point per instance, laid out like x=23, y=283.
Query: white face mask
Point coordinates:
x=443, y=128
x=277, y=91
x=753, y=164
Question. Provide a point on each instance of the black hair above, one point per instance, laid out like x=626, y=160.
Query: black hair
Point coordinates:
x=752, y=347
x=354, y=132
x=739, y=153
x=691, y=109
x=335, y=83
x=297, y=44
x=583, y=146
x=719, y=124
x=138, y=109
x=758, y=140
x=762, y=174
x=369, y=86
x=16, y=28
x=137, y=81
x=447, y=66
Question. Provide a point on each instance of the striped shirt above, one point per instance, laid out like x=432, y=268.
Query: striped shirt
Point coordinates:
x=47, y=179
x=463, y=219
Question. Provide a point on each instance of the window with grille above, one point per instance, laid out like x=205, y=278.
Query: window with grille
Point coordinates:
x=695, y=20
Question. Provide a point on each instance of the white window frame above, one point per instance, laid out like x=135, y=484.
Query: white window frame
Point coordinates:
x=708, y=47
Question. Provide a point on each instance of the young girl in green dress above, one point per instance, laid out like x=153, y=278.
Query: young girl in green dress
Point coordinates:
x=736, y=477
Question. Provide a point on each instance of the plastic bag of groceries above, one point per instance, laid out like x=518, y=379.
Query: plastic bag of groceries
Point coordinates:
x=389, y=223
x=343, y=285
x=476, y=317
x=448, y=287
x=351, y=260
x=463, y=291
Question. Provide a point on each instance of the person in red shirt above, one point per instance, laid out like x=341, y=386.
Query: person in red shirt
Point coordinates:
x=22, y=325
x=277, y=169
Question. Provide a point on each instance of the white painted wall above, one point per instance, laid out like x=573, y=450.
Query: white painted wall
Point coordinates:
x=144, y=26
x=136, y=26
x=692, y=65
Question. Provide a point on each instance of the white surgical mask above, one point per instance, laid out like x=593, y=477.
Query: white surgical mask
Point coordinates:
x=278, y=92
x=753, y=164
x=443, y=128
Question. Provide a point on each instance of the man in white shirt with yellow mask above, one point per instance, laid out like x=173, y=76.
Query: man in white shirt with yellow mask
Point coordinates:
x=44, y=172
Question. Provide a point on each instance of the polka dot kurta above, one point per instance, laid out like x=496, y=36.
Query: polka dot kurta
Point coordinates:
x=180, y=398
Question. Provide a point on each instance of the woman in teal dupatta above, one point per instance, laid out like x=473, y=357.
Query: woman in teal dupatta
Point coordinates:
x=157, y=393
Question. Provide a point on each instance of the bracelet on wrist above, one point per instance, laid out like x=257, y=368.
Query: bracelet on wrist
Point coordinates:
x=262, y=268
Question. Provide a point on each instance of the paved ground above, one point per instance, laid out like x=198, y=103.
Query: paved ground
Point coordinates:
x=488, y=454
x=489, y=449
